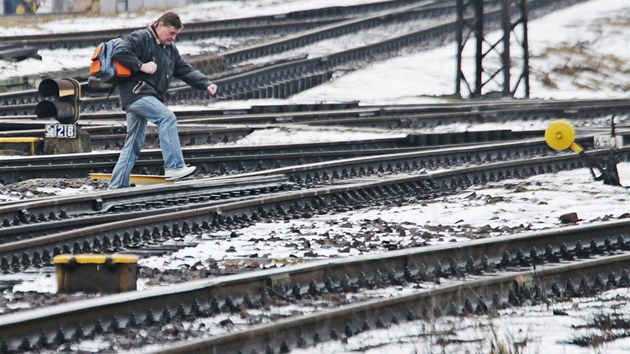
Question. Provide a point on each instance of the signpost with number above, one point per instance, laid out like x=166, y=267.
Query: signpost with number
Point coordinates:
x=61, y=131
x=608, y=141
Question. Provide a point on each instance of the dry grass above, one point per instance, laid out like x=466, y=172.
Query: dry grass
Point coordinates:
x=581, y=64
x=622, y=20
x=586, y=68
x=604, y=328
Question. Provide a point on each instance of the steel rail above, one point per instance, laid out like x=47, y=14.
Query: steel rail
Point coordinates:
x=280, y=83
x=487, y=116
x=305, y=175
x=232, y=27
x=287, y=112
x=91, y=203
x=210, y=63
x=210, y=161
x=108, y=209
x=386, y=117
x=422, y=9
x=389, y=117
x=311, y=329
x=232, y=150
x=286, y=79
x=14, y=328
x=112, y=137
x=303, y=113
x=236, y=159
x=25, y=219
x=298, y=203
x=193, y=32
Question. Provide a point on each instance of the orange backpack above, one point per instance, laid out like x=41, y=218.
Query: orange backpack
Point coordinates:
x=104, y=67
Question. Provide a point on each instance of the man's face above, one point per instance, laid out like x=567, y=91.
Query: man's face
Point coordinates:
x=166, y=34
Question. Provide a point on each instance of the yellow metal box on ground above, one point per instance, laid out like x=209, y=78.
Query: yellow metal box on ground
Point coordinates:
x=96, y=273
x=20, y=146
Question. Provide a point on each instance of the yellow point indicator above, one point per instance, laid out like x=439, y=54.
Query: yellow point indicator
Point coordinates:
x=576, y=148
x=560, y=136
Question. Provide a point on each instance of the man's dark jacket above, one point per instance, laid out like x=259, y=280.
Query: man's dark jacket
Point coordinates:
x=141, y=46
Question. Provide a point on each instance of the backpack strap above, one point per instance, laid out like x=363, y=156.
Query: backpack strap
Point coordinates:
x=153, y=39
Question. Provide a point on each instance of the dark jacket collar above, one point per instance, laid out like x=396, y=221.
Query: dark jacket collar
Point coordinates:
x=155, y=37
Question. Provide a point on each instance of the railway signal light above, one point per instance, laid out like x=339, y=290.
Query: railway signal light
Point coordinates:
x=62, y=98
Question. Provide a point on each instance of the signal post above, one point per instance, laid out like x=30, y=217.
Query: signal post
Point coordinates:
x=62, y=101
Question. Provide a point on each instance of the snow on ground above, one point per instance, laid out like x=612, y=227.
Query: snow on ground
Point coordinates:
x=300, y=134
x=579, y=52
x=60, y=59
x=477, y=212
x=588, y=55
x=532, y=330
x=208, y=11
x=503, y=208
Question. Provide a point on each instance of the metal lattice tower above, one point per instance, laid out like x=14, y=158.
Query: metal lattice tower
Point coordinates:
x=493, y=60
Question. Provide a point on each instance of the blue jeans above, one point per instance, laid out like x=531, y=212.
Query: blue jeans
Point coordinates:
x=147, y=109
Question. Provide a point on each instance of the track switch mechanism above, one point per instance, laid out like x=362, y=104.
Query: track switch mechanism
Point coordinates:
x=560, y=135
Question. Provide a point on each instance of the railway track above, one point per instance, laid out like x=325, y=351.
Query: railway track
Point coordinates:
x=66, y=326
x=210, y=127
x=284, y=309
x=213, y=63
x=25, y=219
x=280, y=80
x=37, y=230
x=227, y=160
x=350, y=113
x=257, y=25
x=473, y=297
x=474, y=282
x=233, y=210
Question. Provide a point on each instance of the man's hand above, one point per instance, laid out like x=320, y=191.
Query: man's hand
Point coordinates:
x=212, y=89
x=149, y=67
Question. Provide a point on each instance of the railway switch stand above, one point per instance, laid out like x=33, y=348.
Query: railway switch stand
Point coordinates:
x=560, y=135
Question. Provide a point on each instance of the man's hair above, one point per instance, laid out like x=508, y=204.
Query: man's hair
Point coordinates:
x=169, y=19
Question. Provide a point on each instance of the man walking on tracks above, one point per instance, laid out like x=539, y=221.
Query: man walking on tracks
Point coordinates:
x=153, y=60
